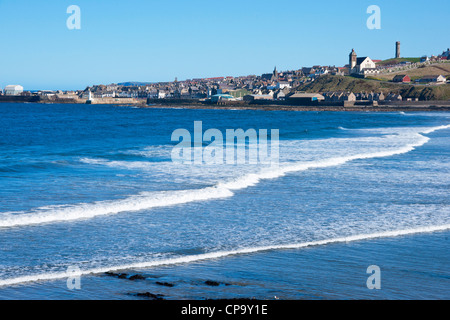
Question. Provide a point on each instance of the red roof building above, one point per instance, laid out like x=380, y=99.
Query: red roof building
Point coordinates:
x=402, y=78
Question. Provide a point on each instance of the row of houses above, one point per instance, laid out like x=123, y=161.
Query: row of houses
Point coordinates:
x=332, y=97
x=276, y=84
x=435, y=79
x=442, y=57
x=337, y=96
x=360, y=96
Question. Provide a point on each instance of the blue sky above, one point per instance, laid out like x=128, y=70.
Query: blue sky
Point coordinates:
x=149, y=40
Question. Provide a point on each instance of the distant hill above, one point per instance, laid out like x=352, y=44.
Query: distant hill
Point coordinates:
x=432, y=70
x=397, y=61
x=340, y=83
x=329, y=83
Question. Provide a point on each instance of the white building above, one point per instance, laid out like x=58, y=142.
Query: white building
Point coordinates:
x=282, y=84
x=365, y=63
x=362, y=66
x=433, y=79
x=162, y=94
x=125, y=94
x=13, y=90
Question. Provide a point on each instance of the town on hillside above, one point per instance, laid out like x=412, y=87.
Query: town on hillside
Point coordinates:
x=293, y=86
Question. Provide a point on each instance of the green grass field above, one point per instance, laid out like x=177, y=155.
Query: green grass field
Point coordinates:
x=397, y=60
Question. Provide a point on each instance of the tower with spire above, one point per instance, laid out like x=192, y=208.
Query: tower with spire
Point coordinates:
x=275, y=74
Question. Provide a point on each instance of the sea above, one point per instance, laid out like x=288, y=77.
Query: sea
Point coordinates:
x=93, y=206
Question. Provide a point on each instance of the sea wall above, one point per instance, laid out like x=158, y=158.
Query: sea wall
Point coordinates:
x=116, y=101
x=416, y=103
x=19, y=99
x=151, y=101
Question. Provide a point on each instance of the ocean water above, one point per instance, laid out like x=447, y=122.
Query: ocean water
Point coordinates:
x=93, y=187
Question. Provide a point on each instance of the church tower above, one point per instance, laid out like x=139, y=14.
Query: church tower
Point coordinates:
x=352, y=60
x=275, y=74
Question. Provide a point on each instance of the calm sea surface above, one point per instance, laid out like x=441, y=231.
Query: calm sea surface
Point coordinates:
x=93, y=188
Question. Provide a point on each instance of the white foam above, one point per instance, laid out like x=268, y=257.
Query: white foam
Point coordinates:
x=433, y=129
x=253, y=179
x=132, y=165
x=158, y=151
x=412, y=139
x=90, y=210
x=222, y=254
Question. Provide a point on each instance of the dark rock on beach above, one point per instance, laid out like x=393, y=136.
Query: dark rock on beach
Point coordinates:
x=233, y=299
x=118, y=275
x=137, y=277
x=165, y=284
x=151, y=296
x=215, y=283
x=125, y=276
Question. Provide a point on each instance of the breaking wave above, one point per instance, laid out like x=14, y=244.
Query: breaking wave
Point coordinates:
x=223, y=189
x=223, y=254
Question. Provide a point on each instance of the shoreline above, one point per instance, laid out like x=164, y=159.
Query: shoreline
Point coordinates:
x=382, y=108
x=401, y=106
x=211, y=279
